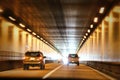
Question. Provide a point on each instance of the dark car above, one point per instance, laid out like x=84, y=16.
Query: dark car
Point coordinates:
x=33, y=59
x=73, y=58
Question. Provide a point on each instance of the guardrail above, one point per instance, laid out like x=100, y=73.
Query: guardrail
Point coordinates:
x=110, y=68
x=9, y=55
x=12, y=64
x=11, y=60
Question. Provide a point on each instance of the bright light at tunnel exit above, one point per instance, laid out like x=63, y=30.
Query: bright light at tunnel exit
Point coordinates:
x=55, y=57
x=65, y=60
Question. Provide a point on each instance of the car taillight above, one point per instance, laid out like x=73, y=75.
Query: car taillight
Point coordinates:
x=25, y=57
x=40, y=58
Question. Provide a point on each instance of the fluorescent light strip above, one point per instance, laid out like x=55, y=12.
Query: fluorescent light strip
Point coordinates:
x=91, y=26
x=28, y=30
x=82, y=41
x=88, y=30
x=38, y=36
x=22, y=25
x=11, y=18
x=34, y=33
x=41, y=38
x=86, y=34
x=96, y=19
x=101, y=10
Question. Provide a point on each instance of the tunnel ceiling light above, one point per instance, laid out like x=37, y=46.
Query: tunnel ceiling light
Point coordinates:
x=85, y=37
x=88, y=30
x=22, y=25
x=81, y=41
x=96, y=19
x=102, y=9
x=44, y=40
x=41, y=38
x=11, y=18
x=28, y=30
x=33, y=33
x=38, y=36
x=86, y=34
x=91, y=26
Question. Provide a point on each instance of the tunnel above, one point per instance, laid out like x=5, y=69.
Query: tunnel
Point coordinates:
x=57, y=28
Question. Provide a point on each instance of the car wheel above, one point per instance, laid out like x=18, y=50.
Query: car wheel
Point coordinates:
x=78, y=63
x=42, y=66
x=26, y=67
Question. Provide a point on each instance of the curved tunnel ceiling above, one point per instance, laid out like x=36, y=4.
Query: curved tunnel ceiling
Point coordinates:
x=62, y=23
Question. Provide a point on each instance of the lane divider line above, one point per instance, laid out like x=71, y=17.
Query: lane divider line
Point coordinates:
x=48, y=74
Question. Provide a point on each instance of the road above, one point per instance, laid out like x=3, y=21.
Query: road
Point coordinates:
x=55, y=71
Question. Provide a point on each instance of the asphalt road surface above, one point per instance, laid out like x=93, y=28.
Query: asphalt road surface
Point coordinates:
x=56, y=71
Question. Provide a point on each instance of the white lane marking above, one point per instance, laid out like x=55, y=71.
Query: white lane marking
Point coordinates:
x=109, y=77
x=48, y=74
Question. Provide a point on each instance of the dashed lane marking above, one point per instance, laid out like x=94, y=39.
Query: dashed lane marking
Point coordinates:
x=48, y=74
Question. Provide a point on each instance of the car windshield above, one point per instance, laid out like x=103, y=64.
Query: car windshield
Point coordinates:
x=33, y=54
x=73, y=55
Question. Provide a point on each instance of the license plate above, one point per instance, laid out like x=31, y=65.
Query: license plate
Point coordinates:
x=32, y=59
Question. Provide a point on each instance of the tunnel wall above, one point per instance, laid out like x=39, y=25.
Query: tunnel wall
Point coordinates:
x=102, y=49
x=14, y=42
x=110, y=68
x=104, y=43
x=12, y=64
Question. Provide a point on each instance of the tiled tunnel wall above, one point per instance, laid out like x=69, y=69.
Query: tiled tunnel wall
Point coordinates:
x=102, y=48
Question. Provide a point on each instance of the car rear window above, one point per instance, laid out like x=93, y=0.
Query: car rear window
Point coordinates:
x=32, y=54
x=73, y=55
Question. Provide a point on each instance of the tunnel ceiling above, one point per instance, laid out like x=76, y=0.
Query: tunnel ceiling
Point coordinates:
x=62, y=23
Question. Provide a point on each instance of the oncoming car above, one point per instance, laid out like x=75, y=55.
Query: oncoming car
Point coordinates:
x=33, y=59
x=73, y=58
